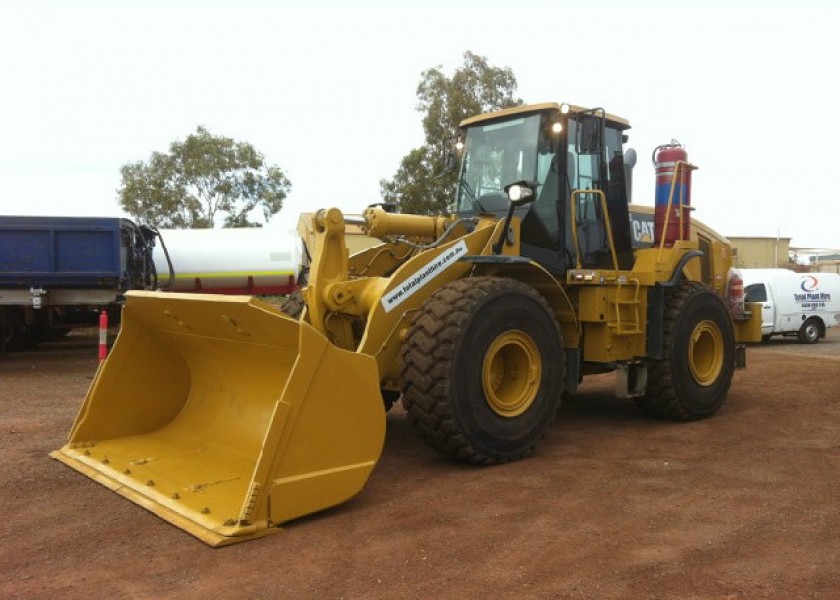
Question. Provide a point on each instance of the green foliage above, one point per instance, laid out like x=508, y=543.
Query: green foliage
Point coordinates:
x=201, y=181
x=421, y=184
x=416, y=187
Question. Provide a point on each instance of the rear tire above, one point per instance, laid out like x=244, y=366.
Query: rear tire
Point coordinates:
x=483, y=369
x=693, y=378
x=13, y=334
x=809, y=333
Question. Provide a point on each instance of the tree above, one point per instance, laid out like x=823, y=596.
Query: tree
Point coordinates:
x=420, y=184
x=201, y=181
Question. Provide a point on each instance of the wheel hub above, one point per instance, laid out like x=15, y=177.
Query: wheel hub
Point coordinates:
x=511, y=373
x=705, y=353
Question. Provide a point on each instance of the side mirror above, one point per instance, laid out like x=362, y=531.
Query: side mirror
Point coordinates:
x=452, y=147
x=589, y=135
x=521, y=193
x=449, y=164
x=629, y=163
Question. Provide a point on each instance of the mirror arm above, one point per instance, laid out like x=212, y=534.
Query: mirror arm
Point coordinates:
x=531, y=187
x=503, y=237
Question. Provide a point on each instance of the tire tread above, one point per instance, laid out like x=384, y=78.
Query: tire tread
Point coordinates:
x=427, y=358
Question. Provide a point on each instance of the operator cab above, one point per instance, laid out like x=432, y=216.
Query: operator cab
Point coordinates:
x=571, y=154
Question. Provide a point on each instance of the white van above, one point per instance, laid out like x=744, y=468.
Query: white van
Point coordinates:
x=801, y=304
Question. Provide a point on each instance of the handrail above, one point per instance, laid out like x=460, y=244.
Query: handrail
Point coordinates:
x=607, y=225
x=680, y=166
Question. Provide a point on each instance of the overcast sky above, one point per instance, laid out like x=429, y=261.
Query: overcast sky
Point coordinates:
x=326, y=90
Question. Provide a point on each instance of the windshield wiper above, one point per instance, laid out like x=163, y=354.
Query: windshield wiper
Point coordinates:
x=477, y=207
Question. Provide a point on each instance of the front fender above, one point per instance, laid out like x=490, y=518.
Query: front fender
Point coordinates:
x=533, y=274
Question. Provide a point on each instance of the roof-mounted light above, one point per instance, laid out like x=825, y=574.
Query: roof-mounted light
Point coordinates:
x=565, y=109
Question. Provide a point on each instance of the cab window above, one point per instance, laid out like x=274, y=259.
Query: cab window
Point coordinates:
x=755, y=292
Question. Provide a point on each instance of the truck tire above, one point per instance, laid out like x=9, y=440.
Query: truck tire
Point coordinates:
x=809, y=333
x=13, y=332
x=463, y=364
x=693, y=378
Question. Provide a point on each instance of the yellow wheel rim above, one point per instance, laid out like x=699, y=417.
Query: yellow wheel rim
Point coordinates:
x=511, y=373
x=705, y=353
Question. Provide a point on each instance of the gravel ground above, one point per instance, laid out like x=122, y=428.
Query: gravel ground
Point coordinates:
x=612, y=504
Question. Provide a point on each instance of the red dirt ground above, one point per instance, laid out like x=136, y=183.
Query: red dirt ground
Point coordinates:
x=612, y=505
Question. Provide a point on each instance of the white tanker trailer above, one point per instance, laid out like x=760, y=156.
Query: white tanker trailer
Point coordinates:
x=248, y=260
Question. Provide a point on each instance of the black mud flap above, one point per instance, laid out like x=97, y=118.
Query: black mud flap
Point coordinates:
x=740, y=356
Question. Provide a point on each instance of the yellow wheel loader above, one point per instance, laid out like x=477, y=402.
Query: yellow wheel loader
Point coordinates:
x=227, y=417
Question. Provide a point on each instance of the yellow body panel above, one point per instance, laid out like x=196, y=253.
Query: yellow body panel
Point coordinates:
x=226, y=417
x=749, y=329
x=602, y=345
x=614, y=319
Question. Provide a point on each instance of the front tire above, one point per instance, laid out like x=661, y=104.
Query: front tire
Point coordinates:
x=693, y=378
x=809, y=333
x=483, y=369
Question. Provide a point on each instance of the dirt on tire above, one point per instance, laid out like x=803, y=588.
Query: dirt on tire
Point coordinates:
x=611, y=505
x=442, y=374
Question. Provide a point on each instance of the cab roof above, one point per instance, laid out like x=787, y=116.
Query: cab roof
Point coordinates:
x=531, y=108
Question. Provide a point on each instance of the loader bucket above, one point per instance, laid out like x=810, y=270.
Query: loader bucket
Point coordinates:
x=226, y=417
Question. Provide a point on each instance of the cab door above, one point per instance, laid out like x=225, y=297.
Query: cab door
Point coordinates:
x=595, y=163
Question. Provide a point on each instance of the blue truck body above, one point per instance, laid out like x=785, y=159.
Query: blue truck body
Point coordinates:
x=60, y=251
x=55, y=272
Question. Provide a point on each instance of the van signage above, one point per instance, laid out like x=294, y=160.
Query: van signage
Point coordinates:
x=811, y=298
